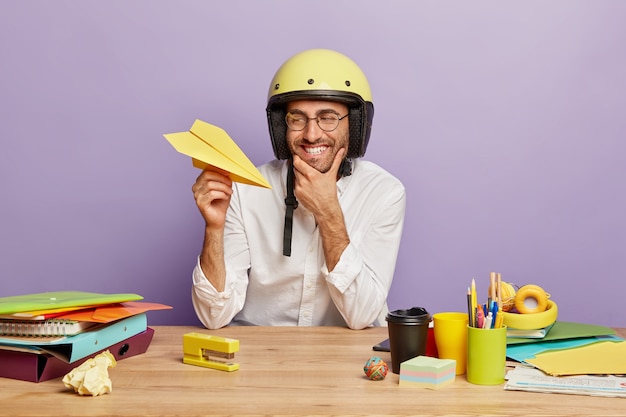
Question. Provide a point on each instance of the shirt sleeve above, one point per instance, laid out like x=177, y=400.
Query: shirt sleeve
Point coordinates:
x=360, y=282
x=216, y=309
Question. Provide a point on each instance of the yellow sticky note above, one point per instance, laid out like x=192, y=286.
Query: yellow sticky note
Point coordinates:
x=209, y=145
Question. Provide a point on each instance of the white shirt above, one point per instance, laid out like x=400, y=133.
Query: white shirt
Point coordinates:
x=264, y=287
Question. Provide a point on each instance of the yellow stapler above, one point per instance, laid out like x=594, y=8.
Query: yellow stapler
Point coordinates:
x=210, y=351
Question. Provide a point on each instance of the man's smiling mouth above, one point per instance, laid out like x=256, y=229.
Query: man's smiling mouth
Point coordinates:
x=315, y=150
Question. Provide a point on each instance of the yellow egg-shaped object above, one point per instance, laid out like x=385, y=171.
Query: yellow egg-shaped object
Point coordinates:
x=508, y=295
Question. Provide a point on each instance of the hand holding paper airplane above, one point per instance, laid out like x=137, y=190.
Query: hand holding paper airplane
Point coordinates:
x=209, y=145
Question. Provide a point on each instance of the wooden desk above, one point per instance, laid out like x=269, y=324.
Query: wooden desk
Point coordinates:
x=286, y=371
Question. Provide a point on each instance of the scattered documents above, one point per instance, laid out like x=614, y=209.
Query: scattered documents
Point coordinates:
x=209, y=145
x=522, y=378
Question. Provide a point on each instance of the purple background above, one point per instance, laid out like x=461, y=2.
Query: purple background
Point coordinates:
x=505, y=121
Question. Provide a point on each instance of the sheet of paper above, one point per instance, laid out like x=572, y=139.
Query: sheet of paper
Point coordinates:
x=529, y=379
x=523, y=352
x=209, y=145
x=597, y=358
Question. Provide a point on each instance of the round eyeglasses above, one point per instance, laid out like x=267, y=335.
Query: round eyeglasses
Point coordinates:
x=327, y=121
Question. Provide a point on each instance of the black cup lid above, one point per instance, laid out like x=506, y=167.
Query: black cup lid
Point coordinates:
x=414, y=315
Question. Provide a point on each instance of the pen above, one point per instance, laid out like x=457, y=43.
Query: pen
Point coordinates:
x=480, y=317
x=494, y=314
x=488, y=321
x=499, y=318
x=499, y=321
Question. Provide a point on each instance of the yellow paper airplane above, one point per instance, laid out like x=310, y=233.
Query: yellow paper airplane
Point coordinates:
x=207, y=144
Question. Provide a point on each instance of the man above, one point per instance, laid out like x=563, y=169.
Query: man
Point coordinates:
x=320, y=247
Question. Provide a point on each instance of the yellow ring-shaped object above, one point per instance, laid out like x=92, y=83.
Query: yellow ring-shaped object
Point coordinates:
x=533, y=320
x=531, y=299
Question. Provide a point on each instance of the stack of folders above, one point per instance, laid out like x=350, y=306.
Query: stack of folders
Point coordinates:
x=45, y=335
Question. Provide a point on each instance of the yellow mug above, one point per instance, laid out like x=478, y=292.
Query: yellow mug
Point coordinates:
x=450, y=330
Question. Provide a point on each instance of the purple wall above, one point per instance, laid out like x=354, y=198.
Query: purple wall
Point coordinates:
x=505, y=120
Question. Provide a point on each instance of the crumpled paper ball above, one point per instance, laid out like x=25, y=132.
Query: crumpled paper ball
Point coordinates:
x=375, y=368
x=92, y=376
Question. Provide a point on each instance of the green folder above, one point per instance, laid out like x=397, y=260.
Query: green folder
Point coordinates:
x=60, y=299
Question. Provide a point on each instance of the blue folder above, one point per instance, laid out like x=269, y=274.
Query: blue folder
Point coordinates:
x=73, y=348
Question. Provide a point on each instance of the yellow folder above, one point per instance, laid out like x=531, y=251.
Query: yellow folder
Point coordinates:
x=597, y=358
x=209, y=145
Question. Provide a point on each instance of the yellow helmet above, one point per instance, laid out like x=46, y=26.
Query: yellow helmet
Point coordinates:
x=321, y=74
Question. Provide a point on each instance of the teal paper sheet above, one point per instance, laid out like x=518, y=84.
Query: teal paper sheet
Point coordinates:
x=525, y=351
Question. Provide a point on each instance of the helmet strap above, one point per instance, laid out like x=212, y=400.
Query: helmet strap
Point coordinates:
x=345, y=169
x=291, y=203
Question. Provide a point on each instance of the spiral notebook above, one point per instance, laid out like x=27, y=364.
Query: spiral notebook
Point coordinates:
x=53, y=327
